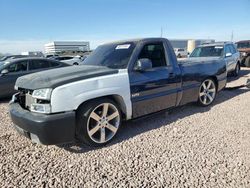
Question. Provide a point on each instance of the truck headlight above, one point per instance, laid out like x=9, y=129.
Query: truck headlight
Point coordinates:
x=40, y=101
x=42, y=94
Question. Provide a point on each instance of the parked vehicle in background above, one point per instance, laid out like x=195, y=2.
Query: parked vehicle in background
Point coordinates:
x=220, y=50
x=118, y=81
x=180, y=52
x=9, y=57
x=71, y=60
x=244, y=49
x=11, y=70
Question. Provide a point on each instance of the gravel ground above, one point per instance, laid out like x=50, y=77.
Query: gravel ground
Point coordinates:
x=190, y=146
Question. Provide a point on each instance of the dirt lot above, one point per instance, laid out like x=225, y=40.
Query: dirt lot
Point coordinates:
x=189, y=147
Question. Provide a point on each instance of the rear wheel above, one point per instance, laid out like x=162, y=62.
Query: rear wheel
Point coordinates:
x=247, y=61
x=207, y=92
x=98, y=122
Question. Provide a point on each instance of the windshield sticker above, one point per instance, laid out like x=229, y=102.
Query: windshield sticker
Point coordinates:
x=123, y=46
x=220, y=47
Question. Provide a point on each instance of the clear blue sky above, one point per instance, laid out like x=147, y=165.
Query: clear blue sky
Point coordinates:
x=27, y=25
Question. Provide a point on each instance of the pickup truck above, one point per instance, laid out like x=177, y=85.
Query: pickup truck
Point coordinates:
x=118, y=81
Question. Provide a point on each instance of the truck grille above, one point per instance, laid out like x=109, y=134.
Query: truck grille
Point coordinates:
x=22, y=98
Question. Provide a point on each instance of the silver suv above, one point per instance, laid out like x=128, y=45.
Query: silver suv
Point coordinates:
x=225, y=50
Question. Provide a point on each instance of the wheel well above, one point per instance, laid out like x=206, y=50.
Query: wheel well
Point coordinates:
x=116, y=98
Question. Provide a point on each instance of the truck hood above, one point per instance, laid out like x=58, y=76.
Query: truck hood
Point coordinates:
x=60, y=76
x=198, y=59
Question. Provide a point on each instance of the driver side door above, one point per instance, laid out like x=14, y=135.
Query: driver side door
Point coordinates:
x=154, y=89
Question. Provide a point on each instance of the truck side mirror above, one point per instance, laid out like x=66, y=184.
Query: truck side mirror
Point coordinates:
x=143, y=64
x=228, y=54
x=4, y=72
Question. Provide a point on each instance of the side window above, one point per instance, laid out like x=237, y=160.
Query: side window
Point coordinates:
x=154, y=52
x=66, y=58
x=38, y=64
x=18, y=67
x=54, y=64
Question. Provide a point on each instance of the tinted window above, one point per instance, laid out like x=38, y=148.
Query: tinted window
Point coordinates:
x=207, y=51
x=114, y=56
x=66, y=58
x=18, y=66
x=154, y=52
x=54, y=63
x=38, y=64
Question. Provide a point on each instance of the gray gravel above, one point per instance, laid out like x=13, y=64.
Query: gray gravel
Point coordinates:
x=190, y=146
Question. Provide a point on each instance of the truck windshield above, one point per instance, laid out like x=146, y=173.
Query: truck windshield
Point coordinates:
x=2, y=65
x=115, y=56
x=4, y=58
x=243, y=45
x=207, y=51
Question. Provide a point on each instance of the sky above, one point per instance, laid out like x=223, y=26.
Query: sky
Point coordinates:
x=27, y=25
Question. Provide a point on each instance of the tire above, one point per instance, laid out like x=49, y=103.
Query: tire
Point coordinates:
x=97, y=122
x=207, y=92
x=75, y=63
x=236, y=70
x=247, y=61
x=179, y=56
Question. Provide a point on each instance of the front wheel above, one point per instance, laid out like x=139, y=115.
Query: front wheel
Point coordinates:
x=207, y=92
x=236, y=70
x=98, y=122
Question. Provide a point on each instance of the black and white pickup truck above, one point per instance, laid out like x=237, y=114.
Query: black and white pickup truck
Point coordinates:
x=118, y=81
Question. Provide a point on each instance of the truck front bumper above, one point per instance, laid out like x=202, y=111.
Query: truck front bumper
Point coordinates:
x=44, y=129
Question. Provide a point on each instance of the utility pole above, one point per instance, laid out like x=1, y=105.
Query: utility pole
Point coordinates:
x=161, y=32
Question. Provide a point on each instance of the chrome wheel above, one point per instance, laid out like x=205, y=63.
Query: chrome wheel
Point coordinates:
x=103, y=123
x=207, y=92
